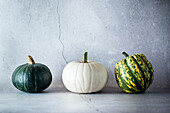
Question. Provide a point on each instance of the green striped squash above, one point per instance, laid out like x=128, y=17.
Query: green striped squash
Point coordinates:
x=134, y=74
x=31, y=77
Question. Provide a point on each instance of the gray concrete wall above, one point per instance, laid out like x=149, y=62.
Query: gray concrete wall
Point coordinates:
x=51, y=31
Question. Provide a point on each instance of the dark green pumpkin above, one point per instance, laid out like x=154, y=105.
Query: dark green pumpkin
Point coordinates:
x=31, y=77
x=134, y=74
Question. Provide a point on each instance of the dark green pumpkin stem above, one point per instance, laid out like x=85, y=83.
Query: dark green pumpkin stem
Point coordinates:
x=31, y=60
x=85, y=58
x=125, y=54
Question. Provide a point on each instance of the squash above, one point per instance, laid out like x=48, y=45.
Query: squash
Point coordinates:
x=134, y=74
x=31, y=77
x=84, y=77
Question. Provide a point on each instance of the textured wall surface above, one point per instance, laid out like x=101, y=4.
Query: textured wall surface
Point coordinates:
x=56, y=32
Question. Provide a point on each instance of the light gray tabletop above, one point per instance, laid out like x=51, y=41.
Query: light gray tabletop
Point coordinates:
x=108, y=100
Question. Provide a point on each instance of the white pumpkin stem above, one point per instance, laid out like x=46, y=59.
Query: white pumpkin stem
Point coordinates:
x=125, y=54
x=31, y=60
x=85, y=58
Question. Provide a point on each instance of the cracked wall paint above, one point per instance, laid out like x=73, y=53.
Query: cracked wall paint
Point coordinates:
x=56, y=32
x=59, y=27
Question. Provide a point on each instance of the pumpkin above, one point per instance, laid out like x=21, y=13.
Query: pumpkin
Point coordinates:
x=31, y=77
x=134, y=74
x=84, y=77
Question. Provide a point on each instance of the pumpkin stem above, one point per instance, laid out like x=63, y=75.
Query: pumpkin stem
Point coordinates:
x=125, y=54
x=84, y=58
x=31, y=60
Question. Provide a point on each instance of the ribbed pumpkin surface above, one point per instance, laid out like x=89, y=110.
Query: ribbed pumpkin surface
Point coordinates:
x=31, y=77
x=134, y=74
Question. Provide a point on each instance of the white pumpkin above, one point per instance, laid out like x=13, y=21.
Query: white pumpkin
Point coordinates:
x=84, y=77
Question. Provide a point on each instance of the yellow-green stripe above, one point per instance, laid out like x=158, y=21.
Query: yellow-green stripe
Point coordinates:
x=134, y=68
